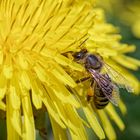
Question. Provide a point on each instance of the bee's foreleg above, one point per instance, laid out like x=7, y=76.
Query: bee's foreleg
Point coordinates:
x=82, y=79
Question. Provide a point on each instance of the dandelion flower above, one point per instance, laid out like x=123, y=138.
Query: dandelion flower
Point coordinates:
x=34, y=73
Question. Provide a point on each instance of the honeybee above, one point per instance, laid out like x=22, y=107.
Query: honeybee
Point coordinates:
x=103, y=89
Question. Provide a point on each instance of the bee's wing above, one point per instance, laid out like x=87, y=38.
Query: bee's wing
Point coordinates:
x=115, y=95
x=110, y=90
x=122, y=82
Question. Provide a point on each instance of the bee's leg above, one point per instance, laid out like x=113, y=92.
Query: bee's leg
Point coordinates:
x=90, y=92
x=92, y=83
x=82, y=79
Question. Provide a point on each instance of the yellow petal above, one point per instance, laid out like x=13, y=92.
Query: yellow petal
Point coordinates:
x=107, y=52
x=7, y=68
x=25, y=79
x=54, y=114
x=91, y=117
x=107, y=125
x=22, y=61
x=16, y=121
x=122, y=107
x=60, y=91
x=58, y=131
x=60, y=59
x=2, y=105
x=3, y=84
x=12, y=132
x=66, y=62
x=74, y=136
x=63, y=76
x=8, y=71
x=114, y=116
x=41, y=73
x=131, y=60
x=126, y=48
x=65, y=96
x=125, y=62
x=36, y=93
x=28, y=120
x=36, y=100
x=51, y=108
x=1, y=57
x=75, y=122
x=14, y=98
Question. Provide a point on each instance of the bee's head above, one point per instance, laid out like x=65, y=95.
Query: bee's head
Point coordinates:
x=80, y=55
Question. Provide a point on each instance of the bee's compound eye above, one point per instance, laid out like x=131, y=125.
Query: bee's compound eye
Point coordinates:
x=77, y=55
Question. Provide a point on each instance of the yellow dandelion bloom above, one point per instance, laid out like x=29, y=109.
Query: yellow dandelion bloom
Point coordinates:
x=35, y=74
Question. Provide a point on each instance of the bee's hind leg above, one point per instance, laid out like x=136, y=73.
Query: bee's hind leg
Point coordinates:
x=90, y=92
x=92, y=82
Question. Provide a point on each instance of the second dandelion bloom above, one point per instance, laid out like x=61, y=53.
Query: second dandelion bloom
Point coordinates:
x=37, y=73
x=128, y=13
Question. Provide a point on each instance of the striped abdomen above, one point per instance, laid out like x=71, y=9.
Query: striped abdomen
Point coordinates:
x=100, y=100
